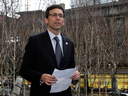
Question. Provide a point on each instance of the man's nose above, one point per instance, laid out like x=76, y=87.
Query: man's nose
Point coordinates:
x=58, y=17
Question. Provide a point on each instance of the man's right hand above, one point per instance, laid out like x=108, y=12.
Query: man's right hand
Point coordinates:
x=48, y=79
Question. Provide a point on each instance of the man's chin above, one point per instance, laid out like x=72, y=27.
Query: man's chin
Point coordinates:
x=57, y=29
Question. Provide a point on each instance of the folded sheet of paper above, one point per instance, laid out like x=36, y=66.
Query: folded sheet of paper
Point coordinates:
x=63, y=77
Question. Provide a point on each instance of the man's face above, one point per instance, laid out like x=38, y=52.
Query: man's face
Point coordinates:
x=55, y=20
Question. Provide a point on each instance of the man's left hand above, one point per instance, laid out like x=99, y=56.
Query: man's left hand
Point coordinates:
x=75, y=76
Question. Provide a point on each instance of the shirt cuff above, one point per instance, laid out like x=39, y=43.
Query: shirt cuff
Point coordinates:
x=41, y=82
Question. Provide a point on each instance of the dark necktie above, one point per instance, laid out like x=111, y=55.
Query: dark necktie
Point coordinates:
x=58, y=51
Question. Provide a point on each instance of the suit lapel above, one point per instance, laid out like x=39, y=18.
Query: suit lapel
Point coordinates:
x=65, y=48
x=48, y=44
x=64, y=45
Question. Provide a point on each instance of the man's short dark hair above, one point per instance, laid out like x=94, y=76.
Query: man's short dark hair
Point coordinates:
x=53, y=7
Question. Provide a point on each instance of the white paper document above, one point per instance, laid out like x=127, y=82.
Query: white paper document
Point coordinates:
x=64, y=81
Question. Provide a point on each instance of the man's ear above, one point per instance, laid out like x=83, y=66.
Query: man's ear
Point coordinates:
x=46, y=20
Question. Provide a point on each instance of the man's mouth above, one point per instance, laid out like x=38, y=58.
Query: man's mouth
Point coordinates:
x=57, y=23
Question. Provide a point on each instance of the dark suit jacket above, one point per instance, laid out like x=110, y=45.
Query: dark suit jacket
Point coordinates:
x=39, y=58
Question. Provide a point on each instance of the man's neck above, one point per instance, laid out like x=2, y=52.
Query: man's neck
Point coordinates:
x=55, y=32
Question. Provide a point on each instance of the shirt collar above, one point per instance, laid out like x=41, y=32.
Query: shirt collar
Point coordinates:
x=52, y=35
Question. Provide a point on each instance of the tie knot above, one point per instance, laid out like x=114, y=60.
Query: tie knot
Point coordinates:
x=56, y=38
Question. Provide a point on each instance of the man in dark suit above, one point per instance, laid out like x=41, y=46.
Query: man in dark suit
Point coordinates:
x=40, y=58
